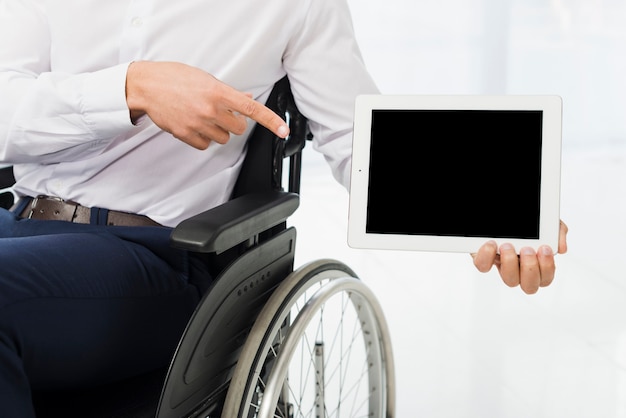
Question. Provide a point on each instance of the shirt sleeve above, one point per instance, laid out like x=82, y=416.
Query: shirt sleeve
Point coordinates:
x=327, y=72
x=48, y=116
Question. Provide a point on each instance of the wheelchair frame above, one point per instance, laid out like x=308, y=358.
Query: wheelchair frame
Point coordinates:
x=264, y=312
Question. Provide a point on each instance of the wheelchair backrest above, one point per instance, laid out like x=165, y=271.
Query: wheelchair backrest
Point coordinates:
x=263, y=167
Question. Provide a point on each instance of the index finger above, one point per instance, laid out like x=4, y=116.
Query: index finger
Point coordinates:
x=486, y=256
x=249, y=107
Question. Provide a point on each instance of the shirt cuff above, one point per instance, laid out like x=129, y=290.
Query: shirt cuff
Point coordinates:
x=103, y=101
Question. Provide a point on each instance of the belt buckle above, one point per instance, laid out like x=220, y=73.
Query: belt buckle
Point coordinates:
x=33, y=203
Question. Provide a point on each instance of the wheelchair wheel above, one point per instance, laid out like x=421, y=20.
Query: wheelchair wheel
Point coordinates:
x=319, y=348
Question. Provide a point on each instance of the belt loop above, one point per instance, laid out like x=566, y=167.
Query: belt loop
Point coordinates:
x=103, y=216
x=98, y=216
x=20, y=206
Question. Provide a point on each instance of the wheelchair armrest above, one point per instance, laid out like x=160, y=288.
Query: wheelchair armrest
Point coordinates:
x=223, y=227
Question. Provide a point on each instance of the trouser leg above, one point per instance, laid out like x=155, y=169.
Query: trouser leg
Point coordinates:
x=86, y=306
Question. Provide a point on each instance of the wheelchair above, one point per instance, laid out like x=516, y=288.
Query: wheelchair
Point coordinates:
x=266, y=340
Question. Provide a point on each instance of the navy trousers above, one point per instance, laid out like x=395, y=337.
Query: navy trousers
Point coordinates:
x=88, y=304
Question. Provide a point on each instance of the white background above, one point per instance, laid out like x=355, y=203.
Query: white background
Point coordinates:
x=466, y=345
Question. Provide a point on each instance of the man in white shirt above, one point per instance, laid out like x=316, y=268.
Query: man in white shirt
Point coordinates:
x=142, y=107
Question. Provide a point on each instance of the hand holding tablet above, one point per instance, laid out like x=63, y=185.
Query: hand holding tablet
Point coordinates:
x=476, y=174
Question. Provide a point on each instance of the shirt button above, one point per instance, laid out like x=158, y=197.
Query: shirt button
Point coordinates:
x=136, y=22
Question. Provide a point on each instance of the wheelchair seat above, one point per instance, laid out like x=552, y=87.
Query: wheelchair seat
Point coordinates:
x=259, y=314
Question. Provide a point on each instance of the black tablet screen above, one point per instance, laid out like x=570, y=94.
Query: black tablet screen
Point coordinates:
x=473, y=173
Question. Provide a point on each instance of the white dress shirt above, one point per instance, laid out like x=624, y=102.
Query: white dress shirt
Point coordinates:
x=64, y=121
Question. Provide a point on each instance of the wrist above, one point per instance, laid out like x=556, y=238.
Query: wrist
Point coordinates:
x=134, y=96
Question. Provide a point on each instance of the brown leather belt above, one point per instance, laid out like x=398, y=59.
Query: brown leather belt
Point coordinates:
x=52, y=208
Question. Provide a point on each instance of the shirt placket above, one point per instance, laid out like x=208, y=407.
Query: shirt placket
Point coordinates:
x=134, y=35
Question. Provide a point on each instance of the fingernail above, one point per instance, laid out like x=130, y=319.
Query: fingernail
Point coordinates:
x=283, y=131
x=546, y=250
x=527, y=251
x=506, y=247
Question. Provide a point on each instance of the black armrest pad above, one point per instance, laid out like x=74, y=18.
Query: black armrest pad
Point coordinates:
x=232, y=223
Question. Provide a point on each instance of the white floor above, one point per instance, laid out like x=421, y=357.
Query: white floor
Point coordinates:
x=466, y=345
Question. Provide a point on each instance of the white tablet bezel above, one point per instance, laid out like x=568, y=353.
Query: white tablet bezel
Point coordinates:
x=550, y=105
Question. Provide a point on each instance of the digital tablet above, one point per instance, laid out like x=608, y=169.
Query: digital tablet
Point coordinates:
x=449, y=173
